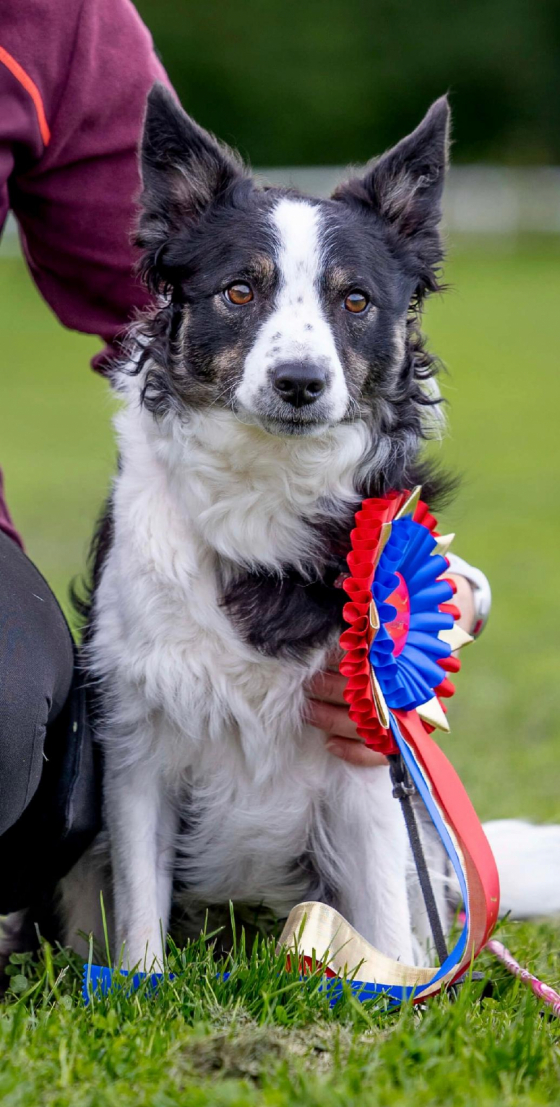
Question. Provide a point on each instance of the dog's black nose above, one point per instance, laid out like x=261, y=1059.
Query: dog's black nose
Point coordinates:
x=298, y=382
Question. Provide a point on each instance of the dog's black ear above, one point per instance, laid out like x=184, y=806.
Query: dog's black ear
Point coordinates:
x=184, y=170
x=404, y=186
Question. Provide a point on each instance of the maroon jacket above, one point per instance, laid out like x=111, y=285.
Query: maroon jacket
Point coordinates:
x=74, y=75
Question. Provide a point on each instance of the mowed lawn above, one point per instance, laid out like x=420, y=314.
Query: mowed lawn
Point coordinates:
x=261, y=1040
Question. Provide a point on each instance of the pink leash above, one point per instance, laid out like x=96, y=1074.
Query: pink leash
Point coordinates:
x=542, y=991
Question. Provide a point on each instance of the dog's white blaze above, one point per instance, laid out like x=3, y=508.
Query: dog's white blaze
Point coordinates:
x=297, y=328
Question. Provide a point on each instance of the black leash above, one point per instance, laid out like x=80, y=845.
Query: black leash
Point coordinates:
x=403, y=790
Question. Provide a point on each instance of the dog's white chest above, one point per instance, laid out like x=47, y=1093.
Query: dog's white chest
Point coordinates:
x=249, y=820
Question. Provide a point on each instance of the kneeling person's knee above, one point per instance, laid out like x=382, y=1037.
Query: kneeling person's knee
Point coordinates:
x=23, y=724
x=36, y=667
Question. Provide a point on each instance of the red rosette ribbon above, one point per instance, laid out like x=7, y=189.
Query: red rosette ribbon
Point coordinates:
x=367, y=539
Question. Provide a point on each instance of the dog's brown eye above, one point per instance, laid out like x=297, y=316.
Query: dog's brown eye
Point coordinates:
x=239, y=293
x=356, y=301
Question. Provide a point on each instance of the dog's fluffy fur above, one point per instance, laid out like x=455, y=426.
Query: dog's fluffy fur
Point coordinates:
x=215, y=596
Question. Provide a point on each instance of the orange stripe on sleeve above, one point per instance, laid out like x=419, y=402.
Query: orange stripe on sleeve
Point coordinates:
x=30, y=87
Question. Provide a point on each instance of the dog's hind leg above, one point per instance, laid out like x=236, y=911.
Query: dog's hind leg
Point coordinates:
x=85, y=894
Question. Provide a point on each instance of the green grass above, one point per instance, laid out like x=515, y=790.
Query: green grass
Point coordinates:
x=202, y=1042
x=263, y=1038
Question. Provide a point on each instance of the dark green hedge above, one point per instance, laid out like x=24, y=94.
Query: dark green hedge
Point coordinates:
x=325, y=82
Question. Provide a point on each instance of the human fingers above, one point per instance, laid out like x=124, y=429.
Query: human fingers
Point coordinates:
x=464, y=600
x=355, y=753
x=331, y=718
x=328, y=687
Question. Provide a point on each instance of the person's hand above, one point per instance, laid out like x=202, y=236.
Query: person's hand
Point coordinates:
x=327, y=709
x=464, y=600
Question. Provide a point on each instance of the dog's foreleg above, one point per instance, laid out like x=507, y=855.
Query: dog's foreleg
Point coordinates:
x=142, y=824
x=445, y=886
x=368, y=859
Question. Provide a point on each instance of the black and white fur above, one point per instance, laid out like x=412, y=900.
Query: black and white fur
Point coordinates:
x=230, y=520
x=228, y=526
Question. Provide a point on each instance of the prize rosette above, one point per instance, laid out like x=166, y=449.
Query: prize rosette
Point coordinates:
x=402, y=630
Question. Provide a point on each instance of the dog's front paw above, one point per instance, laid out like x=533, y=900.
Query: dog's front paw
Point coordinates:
x=141, y=953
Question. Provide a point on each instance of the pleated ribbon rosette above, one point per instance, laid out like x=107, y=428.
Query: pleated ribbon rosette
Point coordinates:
x=398, y=648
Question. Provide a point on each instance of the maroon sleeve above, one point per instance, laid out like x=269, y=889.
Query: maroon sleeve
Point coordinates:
x=74, y=75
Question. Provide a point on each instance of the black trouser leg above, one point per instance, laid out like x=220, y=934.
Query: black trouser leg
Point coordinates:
x=49, y=803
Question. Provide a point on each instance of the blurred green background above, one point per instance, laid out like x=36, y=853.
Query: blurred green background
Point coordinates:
x=322, y=83
x=497, y=331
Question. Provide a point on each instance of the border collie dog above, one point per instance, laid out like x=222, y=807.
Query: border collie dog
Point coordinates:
x=281, y=378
